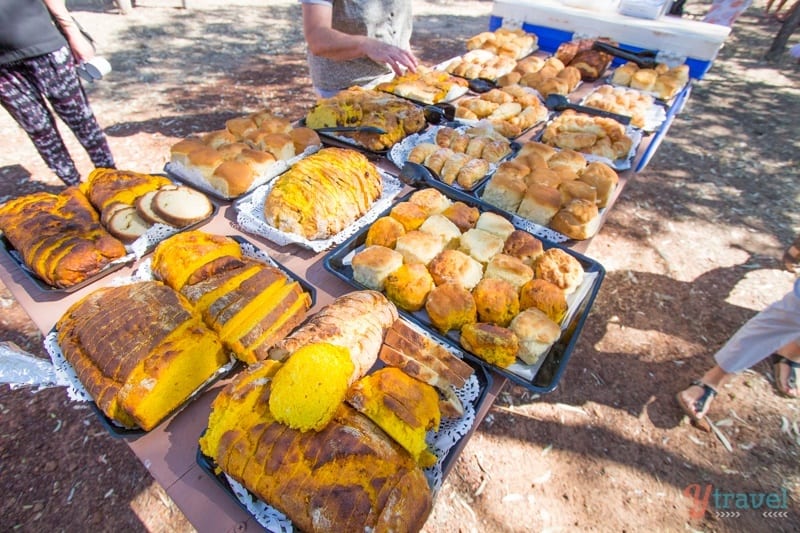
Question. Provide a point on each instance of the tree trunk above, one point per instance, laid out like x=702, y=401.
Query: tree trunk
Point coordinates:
x=787, y=28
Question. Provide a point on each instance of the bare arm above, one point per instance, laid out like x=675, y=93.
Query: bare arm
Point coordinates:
x=81, y=48
x=327, y=42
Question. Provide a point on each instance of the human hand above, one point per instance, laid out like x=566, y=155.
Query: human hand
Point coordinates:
x=82, y=49
x=397, y=58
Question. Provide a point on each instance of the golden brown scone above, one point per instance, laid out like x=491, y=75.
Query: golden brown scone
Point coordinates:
x=504, y=191
x=410, y=215
x=540, y=204
x=544, y=176
x=510, y=269
x=384, y=232
x=603, y=178
x=497, y=301
x=644, y=79
x=579, y=219
x=622, y=75
x=544, y=296
x=480, y=245
x=442, y=226
x=576, y=189
x=462, y=215
x=523, y=246
x=430, y=200
x=565, y=173
x=408, y=286
x=558, y=267
x=568, y=158
x=494, y=344
x=495, y=224
x=512, y=169
x=373, y=264
x=450, y=306
x=453, y=266
x=536, y=333
x=419, y=247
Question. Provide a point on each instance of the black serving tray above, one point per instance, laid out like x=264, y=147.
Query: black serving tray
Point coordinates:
x=547, y=372
x=210, y=467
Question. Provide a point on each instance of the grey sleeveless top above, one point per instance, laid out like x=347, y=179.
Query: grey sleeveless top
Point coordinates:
x=386, y=20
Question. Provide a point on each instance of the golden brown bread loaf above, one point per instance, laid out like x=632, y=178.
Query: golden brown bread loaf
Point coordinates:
x=106, y=185
x=59, y=236
x=350, y=476
x=139, y=349
x=323, y=193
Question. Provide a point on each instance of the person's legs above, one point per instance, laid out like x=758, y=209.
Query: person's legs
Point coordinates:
x=59, y=83
x=21, y=98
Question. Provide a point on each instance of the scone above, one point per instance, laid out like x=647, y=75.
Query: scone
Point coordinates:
x=481, y=245
x=494, y=344
x=523, y=246
x=462, y=215
x=495, y=224
x=536, y=333
x=450, y=306
x=505, y=191
x=419, y=247
x=442, y=226
x=558, y=267
x=455, y=266
x=384, y=232
x=408, y=286
x=496, y=300
x=544, y=296
x=540, y=205
x=373, y=264
x=510, y=269
x=603, y=178
x=430, y=200
x=410, y=215
x=579, y=219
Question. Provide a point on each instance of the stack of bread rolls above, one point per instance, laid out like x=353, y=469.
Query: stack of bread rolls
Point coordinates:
x=470, y=272
x=511, y=110
x=622, y=101
x=600, y=136
x=512, y=42
x=234, y=159
x=547, y=76
x=663, y=81
x=559, y=189
x=580, y=54
x=481, y=63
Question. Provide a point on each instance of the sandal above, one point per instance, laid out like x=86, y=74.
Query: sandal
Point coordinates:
x=791, y=257
x=697, y=409
x=791, y=382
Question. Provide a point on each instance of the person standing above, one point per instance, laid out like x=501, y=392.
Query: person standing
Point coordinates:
x=355, y=42
x=40, y=43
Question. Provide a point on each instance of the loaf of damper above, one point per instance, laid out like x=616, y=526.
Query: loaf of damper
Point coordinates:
x=139, y=350
x=350, y=476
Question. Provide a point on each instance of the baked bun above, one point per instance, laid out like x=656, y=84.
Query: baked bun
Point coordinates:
x=568, y=158
x=232, y=150
x=603, y=178
x=419, y=247
x=181, y=206
x=421, y=152
x=494, y=344
x=204, y=161
x=480, y=244
x=441, y=226
x=384, y=232
x=410, y=215
x=536, y=333
x=497, y=301
x=510, y=269
x=472, y=172
x=579, y=219
x=494, y=224
x=545, y=151
x=373, y=264
x=218, y=138
x=505, y=191
x=576, y=189
x=450, y=306
x=232, y=178
x=544, y=296
x=523, y=246
x=260, y=162
x=540, y=204
x=644, y=79
x=240, y=127
x=544, y=176
x=462, y=215
x=270, y=123
x=304, y=138
x=280, y=145
x=558, y=267
x=408, y=286
x=179, y=152
x=453, y=266
x=431, y=201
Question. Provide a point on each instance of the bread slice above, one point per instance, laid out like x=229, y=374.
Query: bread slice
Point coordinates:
x=109, y=210
x=126, y=224
x=182, y=206
x=144, y=206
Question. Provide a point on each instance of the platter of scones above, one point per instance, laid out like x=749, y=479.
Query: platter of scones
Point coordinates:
x=366, y=450
x=472, y=278
x=66, y=240
x=249, y=151
x=142, y=347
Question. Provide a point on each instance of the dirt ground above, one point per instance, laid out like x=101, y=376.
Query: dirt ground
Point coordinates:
x=691, y=250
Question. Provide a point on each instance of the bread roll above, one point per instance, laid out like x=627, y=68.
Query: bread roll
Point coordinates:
x=510, y=269
x=430, y=200
x=271, y=123
x=179, y=152
x=373, y=264
x=472, y=172
x=232, y=150
x=462, y=215
x=523, y=246
x=452, y=167
x=218, y=138
x=579, y=219
x=232, y=178
x=408, y=286
x=441, y=226
x=304, y=138
x=419, y=247
x=450, y=306
x=384, y=232
x=622, y=75
x=544, y=296
x=494, y=151
x=571, y=190
x=495, y=224
x=260, y=162
x=604, y=180
x=644, y=79
x=280, y=145
x=536, y=333
x=558, y=267
x=205, y=161
x=480, y=244
x=409, y=214
x=504, y=191
x=497, y=301
x=540, y=204
x=240, y=127
x=453, y=266
x=545, y=177
x=494, y=344
x=533, y=147
x=568, y=158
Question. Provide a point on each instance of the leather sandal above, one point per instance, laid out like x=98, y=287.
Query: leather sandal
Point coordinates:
x=697, y=409
x=791, y=257
x=778, y=359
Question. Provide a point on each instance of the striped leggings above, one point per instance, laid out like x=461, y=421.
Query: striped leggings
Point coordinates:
x=25, y=84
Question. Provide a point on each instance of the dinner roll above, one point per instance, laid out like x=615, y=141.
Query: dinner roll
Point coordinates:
x=442, y=226
x=572, y=190
x=540, y=204
x=568, y=158
x=217, y=138
x=534, y=147
x=450, y=306
x=536, y=333
x=558, y=267
x=232, y=178
x=544, y=296
x=373, y=264
x=455, y=266
x=510, y=269
x=480, y=244
x=495, y=224
x=240, y=127
x=523, y=246
x=384, y=232
x=419, y=247
x=408, y=286
x=579, y=219
x=410, y=215
x=260, y=162
x=304, y=138
x=603, y=178
x=204, y=161
x=505, y=191
x=462, y=215
x=179, y=152
x=496, y=300
x=430, y=200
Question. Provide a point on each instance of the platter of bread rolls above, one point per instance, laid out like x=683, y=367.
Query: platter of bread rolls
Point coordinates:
x=662, y=81
x=249, y=151
x=479, y=63
x=380, y=424
x=467, y=274
x=142, y=348
x=547, y=75
x=515, y=43
x=645, y=113
x=580, y=54
x=425, y=86
x=320, y=201
x=512, y=110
